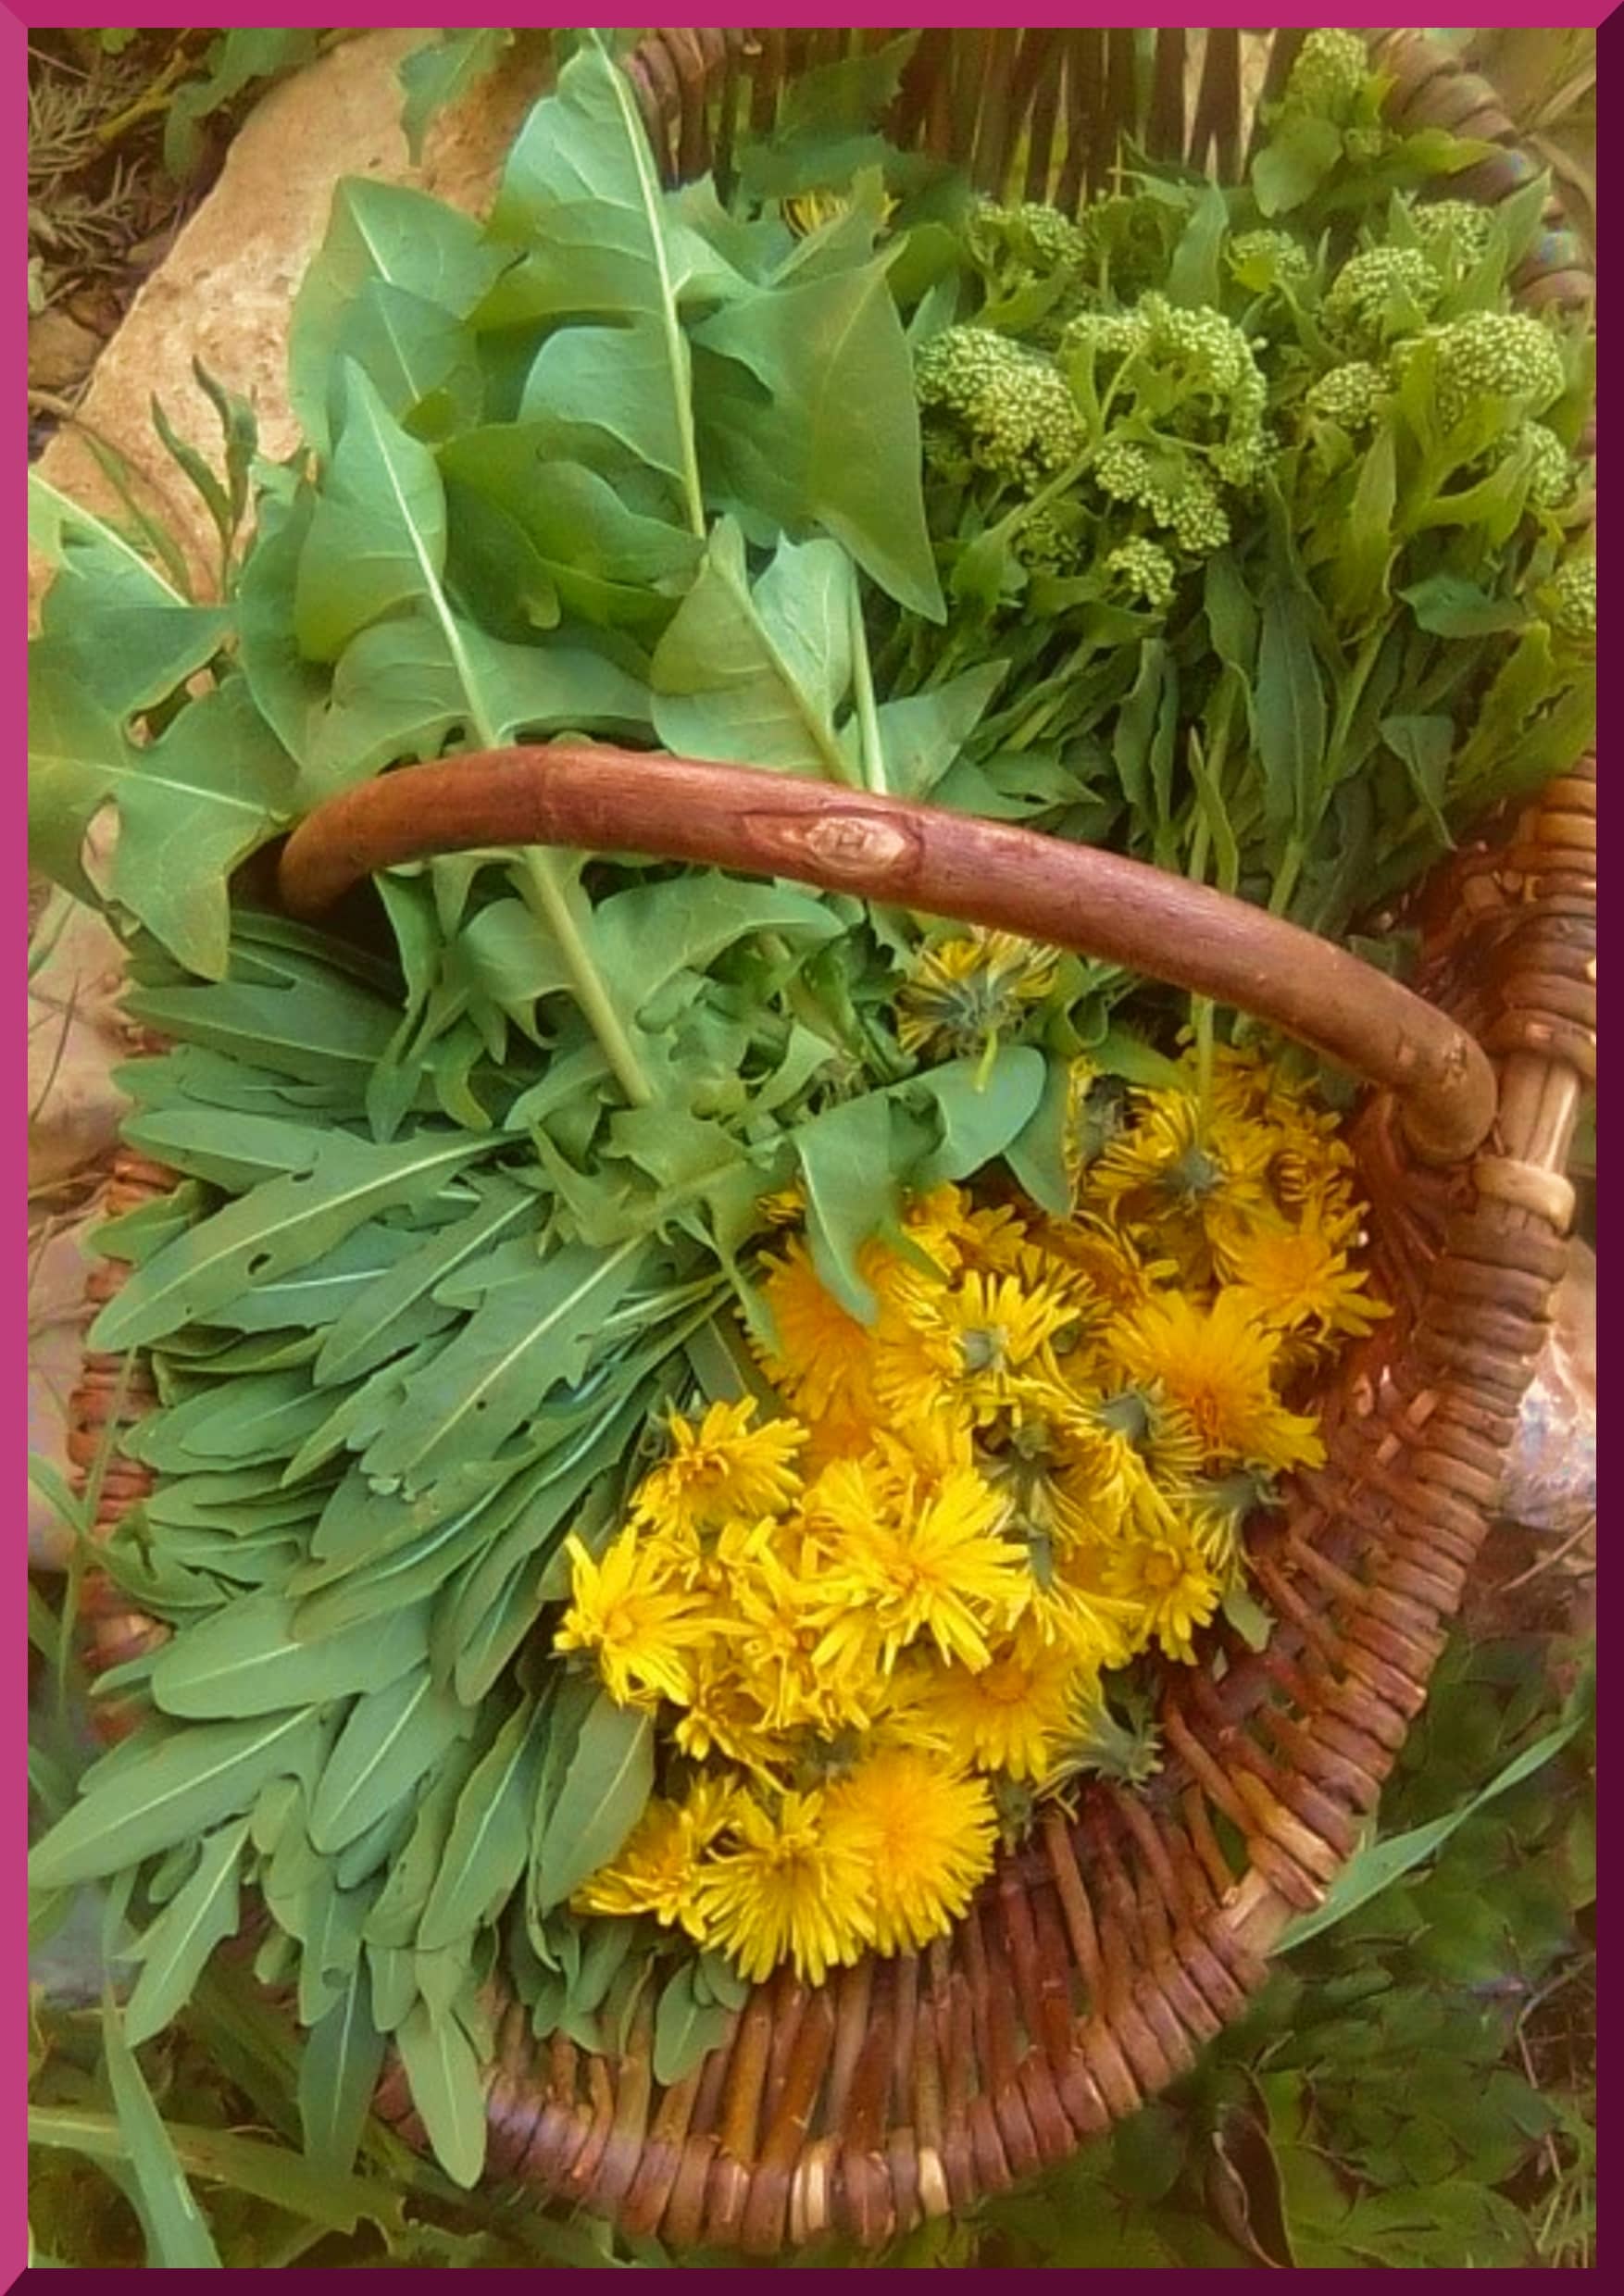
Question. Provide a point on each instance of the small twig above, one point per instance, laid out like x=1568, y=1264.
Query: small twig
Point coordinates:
x=151, y=99
x=1547, y=1562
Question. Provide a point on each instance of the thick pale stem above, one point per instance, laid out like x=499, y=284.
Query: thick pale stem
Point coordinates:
x=590, y=993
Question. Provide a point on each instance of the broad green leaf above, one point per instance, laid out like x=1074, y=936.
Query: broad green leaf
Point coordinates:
x=807, y=417
x=377, y=543
x=308, y=1007
x=288, y=690
x=349, y=1599
x=607, y=561
x=370, y=1328
x=1449, y=606
x=448, y=2090
x=377, y=537
x=176, y=2237
x=524, y=1341
x=981, y=1110
x=170, y=1789
x=650, y=934
x=403, y=687
x=173, y=1951
x=401, y=239
x=277, y=1227
x=394, y=1920
x=755, y=677
x=486, y=1852
x=922, y=735
x=248, y=1659
x=338, y=2068
x=87, y=550
x=421, y=359
x=1423, y=747
x=1037, y=1155
x=391, y=1738
x=128, y=658
x=580, y=187
x=1194, y=278
x=603, y=1793
x=191, y=804
x=1299, y=153
x=1359, y=569
x=851, y=1189
x=1290, y=715
x=685, y=2030
x=442, y=71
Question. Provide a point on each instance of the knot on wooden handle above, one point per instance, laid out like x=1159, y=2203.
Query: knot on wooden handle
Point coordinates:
x=854, y=845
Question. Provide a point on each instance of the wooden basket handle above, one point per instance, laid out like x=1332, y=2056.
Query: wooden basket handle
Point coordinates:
x=924, y=858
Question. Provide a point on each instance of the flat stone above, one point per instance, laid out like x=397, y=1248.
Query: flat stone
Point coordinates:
x=61, y=351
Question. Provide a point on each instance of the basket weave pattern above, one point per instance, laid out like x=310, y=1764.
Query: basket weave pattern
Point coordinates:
x=1102, y=1956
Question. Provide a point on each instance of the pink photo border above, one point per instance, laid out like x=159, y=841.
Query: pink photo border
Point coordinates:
x=13, y=34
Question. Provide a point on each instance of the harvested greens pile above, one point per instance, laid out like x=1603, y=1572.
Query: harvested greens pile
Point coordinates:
x=688, y=1404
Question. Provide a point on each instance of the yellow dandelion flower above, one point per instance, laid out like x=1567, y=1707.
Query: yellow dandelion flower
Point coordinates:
x=1077, y=1146
x=966, y=1348
x=783, y=1207
x=1298, y=1280
x=1216, y=1364
x=1122, y=1453
x=782, y=1656
x=786, y=1888
x=1167, y=1163
x=821, y=1357
x=639, y=1625
x=923, y=1837
x=962, y=991
x=721, y=1468
x=657, y=1869
x=994, y=1239
x=940, y=1568
x=1008, y=1715
x=1111, y=1263
x=1172, y=1586
x=806, y=212
x=721, y=1718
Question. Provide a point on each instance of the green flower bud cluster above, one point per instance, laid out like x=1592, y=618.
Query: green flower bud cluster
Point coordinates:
x=1186, y=504
x=1012, y=406
x=1263, y=259
x=1349, y=395
x=1378, y=293
x=1365, y=146
x=1496, y=355
x=1550, y=471
x=1036, y=238
x=1143, y=570
x=1328, y=76
x=1573, y=599
x=1046, y=544
x=1202, y=377
x=1457, y=228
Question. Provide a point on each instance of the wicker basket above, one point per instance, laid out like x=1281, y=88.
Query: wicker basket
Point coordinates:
x=1102, y=1956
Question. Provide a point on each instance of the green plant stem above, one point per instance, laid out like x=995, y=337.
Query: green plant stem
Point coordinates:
x=1285, y=884
x=1201, y=1008
x=873, y=747
x=153, y=98
x=541, y=880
